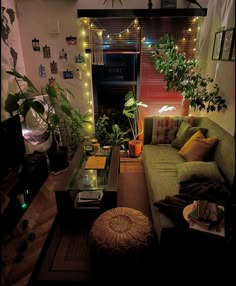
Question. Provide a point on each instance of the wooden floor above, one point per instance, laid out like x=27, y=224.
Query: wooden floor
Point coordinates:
x=41, y=214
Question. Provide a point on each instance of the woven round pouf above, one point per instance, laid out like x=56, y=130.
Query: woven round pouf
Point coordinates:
x=120, y=239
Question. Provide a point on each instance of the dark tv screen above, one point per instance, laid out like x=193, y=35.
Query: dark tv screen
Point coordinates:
x=12, y=146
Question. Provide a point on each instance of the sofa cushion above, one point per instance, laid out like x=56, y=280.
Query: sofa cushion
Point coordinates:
x=185, y=149
x=188, y=170
x=199, y=149
x=184, y=133
x=164, y=129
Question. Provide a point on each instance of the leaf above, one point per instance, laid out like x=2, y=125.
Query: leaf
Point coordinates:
x=66, y=110
x=38, y=107
x=51, y=91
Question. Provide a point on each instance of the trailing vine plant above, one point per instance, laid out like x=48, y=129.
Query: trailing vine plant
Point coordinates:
x=183, y=75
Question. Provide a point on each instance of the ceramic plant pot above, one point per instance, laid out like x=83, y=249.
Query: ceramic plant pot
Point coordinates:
x=135, y=148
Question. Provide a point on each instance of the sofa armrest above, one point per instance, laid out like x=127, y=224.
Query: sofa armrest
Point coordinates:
x=147, y=130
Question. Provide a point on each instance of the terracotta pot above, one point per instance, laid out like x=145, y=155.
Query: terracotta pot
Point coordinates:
x=135, y=148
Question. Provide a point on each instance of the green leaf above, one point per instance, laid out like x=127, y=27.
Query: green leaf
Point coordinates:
x=66, y=110
x=38, y=107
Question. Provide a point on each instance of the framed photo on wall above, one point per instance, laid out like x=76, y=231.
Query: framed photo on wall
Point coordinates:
x=228, y=43
x=217, y=48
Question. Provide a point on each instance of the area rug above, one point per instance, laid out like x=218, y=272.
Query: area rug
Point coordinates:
x=64, y=259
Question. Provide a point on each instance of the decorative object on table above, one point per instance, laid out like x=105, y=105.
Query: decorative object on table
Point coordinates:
x=184, y=75
x=71, y=40
x=35, y=45
x=53, y=67
x=218, y=44
x=168, y=4
x=79, y=59
x=68, y=74
x=63, y=55
x=46, y=52
x=42, y=71
x=131, y=111
x=207, y=215
x=228, y=46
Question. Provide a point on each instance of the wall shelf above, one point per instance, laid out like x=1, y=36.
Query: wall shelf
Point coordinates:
x=96, y=13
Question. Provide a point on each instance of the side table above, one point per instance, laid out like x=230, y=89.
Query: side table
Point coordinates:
x=198, y=227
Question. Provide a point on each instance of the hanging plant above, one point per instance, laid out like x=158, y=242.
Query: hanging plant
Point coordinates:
x=183, y=75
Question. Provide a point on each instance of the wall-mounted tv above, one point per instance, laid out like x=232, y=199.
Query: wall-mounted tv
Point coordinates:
x=12, y=150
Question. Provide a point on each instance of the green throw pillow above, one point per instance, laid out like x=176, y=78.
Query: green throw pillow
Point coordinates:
x=184, y=133
x=187, y=170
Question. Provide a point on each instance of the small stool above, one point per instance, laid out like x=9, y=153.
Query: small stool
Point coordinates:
x=121, y=242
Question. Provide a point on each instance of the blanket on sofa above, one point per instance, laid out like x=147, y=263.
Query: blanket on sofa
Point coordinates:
x=198, y=189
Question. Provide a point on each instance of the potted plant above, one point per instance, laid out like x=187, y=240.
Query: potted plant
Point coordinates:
x=118, y=137
x=183, y=75
x=55, y=113
x=131, y=111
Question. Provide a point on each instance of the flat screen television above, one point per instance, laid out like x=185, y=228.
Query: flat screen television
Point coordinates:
x=12, y=150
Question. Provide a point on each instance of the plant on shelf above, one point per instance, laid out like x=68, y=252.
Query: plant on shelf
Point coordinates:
x=54, y=112
x=118, y=137
x=131, y=111
x=183, y=75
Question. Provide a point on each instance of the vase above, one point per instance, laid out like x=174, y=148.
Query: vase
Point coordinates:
x=185, y=107
x=135, y=148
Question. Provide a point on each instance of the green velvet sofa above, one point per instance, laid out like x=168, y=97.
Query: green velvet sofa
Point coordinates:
x=160, y=162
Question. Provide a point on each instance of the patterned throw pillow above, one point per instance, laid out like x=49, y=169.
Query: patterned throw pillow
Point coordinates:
x=165, y=128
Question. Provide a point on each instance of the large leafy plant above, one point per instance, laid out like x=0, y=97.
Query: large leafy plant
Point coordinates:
x=59, y=116
x=131, y=111
x=183, y=75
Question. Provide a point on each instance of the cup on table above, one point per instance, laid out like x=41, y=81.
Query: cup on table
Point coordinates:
x=96, y=148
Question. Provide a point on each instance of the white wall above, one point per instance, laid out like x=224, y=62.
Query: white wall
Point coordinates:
x=8, y=84
x=221, y=15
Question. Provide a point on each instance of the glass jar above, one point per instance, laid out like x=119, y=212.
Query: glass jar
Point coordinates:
x=88, y=146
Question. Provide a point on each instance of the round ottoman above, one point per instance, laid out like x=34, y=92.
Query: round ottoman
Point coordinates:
x=121, y=240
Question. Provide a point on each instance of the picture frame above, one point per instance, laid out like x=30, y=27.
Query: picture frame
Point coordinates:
x=217, y=47
x=228, y=45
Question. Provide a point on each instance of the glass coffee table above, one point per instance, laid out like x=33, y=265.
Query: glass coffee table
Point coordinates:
x=91, y=186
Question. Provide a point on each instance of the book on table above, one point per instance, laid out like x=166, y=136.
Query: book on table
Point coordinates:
x=88, y=199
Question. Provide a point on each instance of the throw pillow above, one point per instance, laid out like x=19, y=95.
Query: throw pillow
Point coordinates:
x=199, y=149
x=184, y=133
x=164, y=129
x=188, y=170
x=185, y=149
